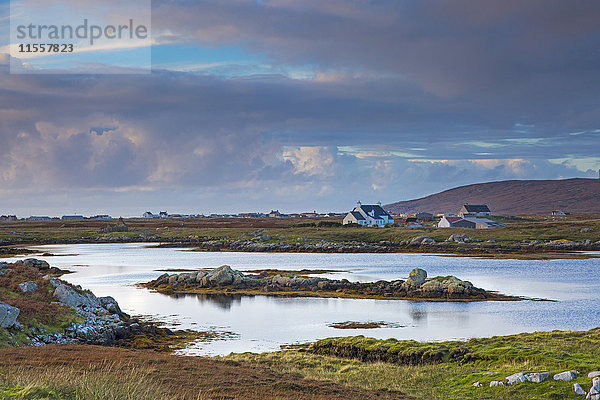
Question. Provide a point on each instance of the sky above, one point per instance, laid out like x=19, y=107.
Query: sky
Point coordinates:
x=301, y=105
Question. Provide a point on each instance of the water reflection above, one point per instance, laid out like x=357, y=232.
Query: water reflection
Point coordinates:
x=417, y=312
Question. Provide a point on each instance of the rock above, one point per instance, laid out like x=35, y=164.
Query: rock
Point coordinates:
x=419, y=240
x=516, y=378
x=537, y=377
x=566, y=375
x=432, y=287
x=111, y=305
x=594, y=374
x=417, y=277
x=461, y=238
x=8, y=315
x=281, y=280
x=578, y=389
x=586, y=230
x=477, y=384
x=200, y=275
x=27, y=287
x=496, y=383
x=222, y=276
x=53, y=281
x=457, y=237
x=72, y=298
x=34, y=262
x=596, y=384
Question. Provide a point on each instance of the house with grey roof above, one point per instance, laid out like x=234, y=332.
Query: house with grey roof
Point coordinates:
x=475, y=210
x=368, y=215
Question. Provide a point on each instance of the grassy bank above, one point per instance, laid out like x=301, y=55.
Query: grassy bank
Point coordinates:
x=446, y=370
x=74, y=372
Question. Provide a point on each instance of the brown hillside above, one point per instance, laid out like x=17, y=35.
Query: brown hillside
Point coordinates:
x=575, y=196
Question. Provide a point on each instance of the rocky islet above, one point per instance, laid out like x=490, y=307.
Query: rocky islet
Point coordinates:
x=417, y=286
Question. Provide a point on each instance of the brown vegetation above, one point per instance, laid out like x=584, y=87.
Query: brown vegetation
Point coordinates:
x=36, y=307
x=184, y=377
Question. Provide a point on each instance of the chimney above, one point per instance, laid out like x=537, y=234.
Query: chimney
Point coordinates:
x=379, y=203
x=358, y=203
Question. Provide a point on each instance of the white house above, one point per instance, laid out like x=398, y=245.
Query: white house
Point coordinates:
x=368, y=215
x=475, y=210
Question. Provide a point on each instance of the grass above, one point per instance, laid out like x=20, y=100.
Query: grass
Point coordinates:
x=291, y=230
x=363, y=325
x=83, y=372
x=446, y=370
x=110, y=381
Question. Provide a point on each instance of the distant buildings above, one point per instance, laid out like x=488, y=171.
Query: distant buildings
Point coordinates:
x=101, y=216
x=368, y=215
x=8, y=218
x=470, y=217
x=72, y=218
x=39, y=218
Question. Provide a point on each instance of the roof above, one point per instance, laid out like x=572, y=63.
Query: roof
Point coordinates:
x=485, y=221
x=476, y=208
x=452, y=219
x=378, y=211
x=357, y=215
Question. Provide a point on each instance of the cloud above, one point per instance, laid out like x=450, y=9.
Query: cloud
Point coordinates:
x=310, y=160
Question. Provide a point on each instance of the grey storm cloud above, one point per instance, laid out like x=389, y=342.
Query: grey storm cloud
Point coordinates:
x=407, y=98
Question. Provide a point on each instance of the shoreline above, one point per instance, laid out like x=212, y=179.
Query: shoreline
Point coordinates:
x=443, y=249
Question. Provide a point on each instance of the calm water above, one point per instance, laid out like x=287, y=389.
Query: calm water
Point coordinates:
x=262, y=323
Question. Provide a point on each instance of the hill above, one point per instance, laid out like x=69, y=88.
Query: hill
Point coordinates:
x=527, y=197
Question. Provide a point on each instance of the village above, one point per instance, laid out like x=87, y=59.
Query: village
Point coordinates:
x=474, y=216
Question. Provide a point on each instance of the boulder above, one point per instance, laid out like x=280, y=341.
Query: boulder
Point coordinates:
x=417, y=277
x=578, y=389
x=27, y=287
x=420, y=239
x=461, y=238
x=73, y=298
x=111, y=305
x=8, y=315
x=457, y=237
x=594, y=374
x=496, y=383
x=223, y=275
x=537, y=377
x=433, y=286
x=566, y=375
x=455, y=286
x=53, y=281
x=516, y=378
x=200, y=275
x=34, y=262
x=586, y=230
